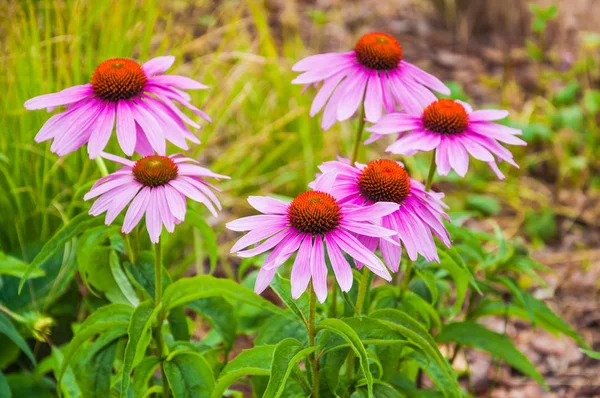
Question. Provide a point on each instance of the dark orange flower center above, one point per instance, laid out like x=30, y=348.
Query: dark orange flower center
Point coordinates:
x=118, y=79
x=153, y=171
x=314, y=212
x=445, y=116
x=384, y=181
x=378, y=51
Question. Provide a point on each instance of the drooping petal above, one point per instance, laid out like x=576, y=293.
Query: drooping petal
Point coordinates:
x=101, y=131
x=126, y=131
x=339, y=264
x=301, y=269
x=136, y=210
x=319, y=269
x=373, y=98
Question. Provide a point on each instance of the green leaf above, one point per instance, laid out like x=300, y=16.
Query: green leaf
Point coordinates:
x=4, y=387
x=121, y=279
x=474, y=335
x=138, y=334
x=380, y=390
x=27, y=385
x=414, y=332
x=14, y=267
x=189, y=375
x=75, y=227
x=486, y=205
x=142, y=274
x=591, y=101
x=347, y=333
x=283, y=288
x=68, y=385
x=178, y=324
x=221, y=316
x=286, y=356
x=541, y=224
x=114, y=318
x=208, y=233
x=518, y=293
x=143, y=373
x=253, y=362
x=189, y=289
x=544, y=316
x=7, y=328
x=93, y=363
x=591, y=353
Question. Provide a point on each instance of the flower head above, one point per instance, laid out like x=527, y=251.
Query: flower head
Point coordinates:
x=139, y=98
x=454, y=130
x=156, y=186
x=313, y=221
x=375, y=70
x=418, y=216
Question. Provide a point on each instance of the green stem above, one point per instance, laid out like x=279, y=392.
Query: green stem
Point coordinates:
x=360, y=301
x=362, y=290
x=311, y=340
x=101, y=166
x=359, y=132
x=157, y=273
x=333, y=307
x=432, y=168
x=162, y=348
x=406, y=278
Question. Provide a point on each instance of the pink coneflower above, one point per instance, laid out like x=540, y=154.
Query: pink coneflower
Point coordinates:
x=454, y=130
x=419, y=213
x=156, y=186
x=313, y=220
x=374, y=70
x=139, y=97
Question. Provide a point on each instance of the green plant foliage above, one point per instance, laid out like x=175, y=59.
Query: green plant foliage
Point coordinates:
x=189, y=375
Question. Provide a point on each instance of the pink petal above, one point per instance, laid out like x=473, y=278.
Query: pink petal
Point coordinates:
x=136, y=210
x=177, y=81
x=158, y=65
x=353, y=96
x=268, y=205
x=458, y=156
x=319, y=269
x=150, y=127
x=373, y=98
x=488, y=115
x=425, y=78
x=339, y=264
x=301, y=269
x=176, y=202
x=66, y=96
x=256, y=236
x=101, y=131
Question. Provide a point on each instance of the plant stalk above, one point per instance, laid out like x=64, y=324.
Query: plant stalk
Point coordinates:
x=406, y=278
x=432, y=168
x=359, y=133
x=311, y=340
x=163, y=350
